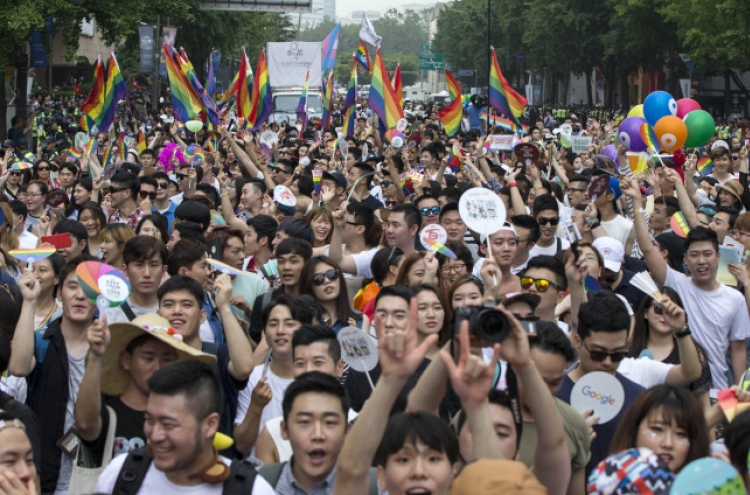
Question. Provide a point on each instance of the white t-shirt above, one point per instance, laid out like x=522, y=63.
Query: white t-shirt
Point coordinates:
x=645, y=372
x=549, y=250
x=715, y=319
x=273, y=409
x=27, y=240
x=619, y=228
x=156, y=482
x=362, y=262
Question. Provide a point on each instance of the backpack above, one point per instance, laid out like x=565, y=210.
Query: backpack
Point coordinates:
x=272, y=473
x=240, y=482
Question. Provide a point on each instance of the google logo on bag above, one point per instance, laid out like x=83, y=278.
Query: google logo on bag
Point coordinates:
x=603, y=399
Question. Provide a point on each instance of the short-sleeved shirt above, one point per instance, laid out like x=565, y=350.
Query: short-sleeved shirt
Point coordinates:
x=604, y=432
x=644, y=371
x=715, y=318
x=577, y=437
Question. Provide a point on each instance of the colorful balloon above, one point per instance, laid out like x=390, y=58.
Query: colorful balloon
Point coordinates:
x=671, y=132
x=700, y=128
x=629, y=134
x=636, y=111
x=685, y=106
x=657, y=105
x=610, y=151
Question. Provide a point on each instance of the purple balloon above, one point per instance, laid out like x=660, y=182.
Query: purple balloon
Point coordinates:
x=610, y=151
x=629, y=134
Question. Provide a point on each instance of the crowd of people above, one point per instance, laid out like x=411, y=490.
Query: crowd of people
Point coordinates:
x=141, y=397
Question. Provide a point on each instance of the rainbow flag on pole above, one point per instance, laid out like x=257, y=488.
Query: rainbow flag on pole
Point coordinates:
x=302, y=105
x=197, y=89
x=398, y=86
x=450, y=116
x=349, y=108
x=93, y=107
x=362, y=56
x=186, y=103
x=115, y=89
x=327, y=102
x=502, y=96
x=454, y=88
x=261, y=99
x=382, y=98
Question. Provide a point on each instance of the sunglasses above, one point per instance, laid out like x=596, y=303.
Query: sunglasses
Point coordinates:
x=435, y=210
x=658, y=308
x=320, y=278
x=385, y=183
x=545, y=221
x=599, y=356
x=541, y=284
x=15, y=172
x=41, y=169
x=390, y=202
x=162, y=185
x=146, y=194
x=180, y=176
x=113, y=189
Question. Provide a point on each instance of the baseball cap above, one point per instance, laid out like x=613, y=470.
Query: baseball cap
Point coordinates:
x=531, y=298
x=9, y=144
x=338, y=177
x=612, y=251
x=491, y=476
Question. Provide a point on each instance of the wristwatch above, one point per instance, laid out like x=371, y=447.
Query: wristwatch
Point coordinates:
x=684, y=333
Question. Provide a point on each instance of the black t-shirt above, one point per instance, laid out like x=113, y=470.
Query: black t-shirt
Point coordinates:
x=129, y=434
x=28, y=418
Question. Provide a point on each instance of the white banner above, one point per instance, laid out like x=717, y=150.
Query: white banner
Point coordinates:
x=685, y=87
x=367, y=32
x=581, y=144
x=288, y=64
x=501, y=141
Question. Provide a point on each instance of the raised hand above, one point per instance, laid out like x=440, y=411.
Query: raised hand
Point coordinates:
x=261, y=395
x=400, y=350
x=29, y=286
x=98, y=336
x=223, y=287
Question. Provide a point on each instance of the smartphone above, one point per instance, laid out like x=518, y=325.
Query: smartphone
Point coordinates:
x=60, y=241
x=214, y=249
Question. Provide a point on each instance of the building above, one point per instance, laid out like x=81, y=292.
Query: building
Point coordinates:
x=321, y=9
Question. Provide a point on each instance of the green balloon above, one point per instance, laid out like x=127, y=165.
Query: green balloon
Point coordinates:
x=700, y=126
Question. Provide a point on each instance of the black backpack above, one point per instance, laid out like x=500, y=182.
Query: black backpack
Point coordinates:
x=240, y=481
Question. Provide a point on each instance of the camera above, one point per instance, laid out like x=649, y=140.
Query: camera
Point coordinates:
x=486, y=323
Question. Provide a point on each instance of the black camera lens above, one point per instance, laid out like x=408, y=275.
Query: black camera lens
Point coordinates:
x=491, y=325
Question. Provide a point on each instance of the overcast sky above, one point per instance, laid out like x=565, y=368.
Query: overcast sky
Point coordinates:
x=345, y=7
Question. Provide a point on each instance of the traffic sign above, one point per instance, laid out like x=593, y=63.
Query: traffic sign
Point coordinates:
x=466, y=73
x=427, y=47
x=431, y=61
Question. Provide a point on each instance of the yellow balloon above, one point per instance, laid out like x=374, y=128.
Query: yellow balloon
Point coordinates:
x=222, y=442
x=636, y=111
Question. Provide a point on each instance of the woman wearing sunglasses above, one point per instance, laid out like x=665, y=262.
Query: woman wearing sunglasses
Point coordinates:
x=653, y=334
x=42, y=172
x=323, y=279
x=667, y=420
x=14, y=181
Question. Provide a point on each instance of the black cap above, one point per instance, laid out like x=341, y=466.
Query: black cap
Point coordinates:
x=22, y=143
x=9, y=144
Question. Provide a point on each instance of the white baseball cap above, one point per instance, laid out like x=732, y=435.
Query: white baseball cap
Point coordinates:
x=612, y=251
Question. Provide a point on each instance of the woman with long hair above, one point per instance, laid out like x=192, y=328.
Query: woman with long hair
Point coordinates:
x=43, y=173
x=46, y=272
x=434, y=316
x=113, y=242
x=83, y=191
x=8, y=236
x=668, y=420
x=91, y=216
x=321, y=222
x=418, y=268
x=323, y=279
x=651, y=332
x=466, y=291
x=154, y=225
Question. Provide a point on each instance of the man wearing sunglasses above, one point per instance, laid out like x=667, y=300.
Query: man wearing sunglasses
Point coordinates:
x=545, y=275
x=547, y=214
x=429, y=209
x=162, y=204
x=124, y=189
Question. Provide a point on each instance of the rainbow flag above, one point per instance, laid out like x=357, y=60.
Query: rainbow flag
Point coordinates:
x=189, y=71
x=115, y=89
x=86, y=123
x=122, y=149
x=679, y=225
x=93, y=107
x=502, y=96
x=362, y=56
x=261, y=99
x=212, y=141
x=185, y=102
x=302, y=105
x=450, y=116
x=348, y=128
x=442, y=249
x=398, y=86
x=705, y=166
x=382, y=98
x=108, y=157
x=327, y=102
x=90, y=147
x=141, y=141
x=74, y=153
x=649, y=137
x=210, y=79
x=454, y=159
x=508, y=125
x=350, y=104
x=317, y=174
x=454, y=88
x=232, y=90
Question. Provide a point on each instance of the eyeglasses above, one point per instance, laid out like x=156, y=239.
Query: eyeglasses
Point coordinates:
x=320, y=278
x=599, y=356
x=41, y=169
x=34, y=195
x=541, y=284
x=571, y=190
x=435, y=210
x=162, y=185
x=457, y=267
x=545, y=221
x=113, y=189
x=146, y=194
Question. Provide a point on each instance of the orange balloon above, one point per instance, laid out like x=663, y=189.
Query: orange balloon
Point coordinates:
x=671, y=132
